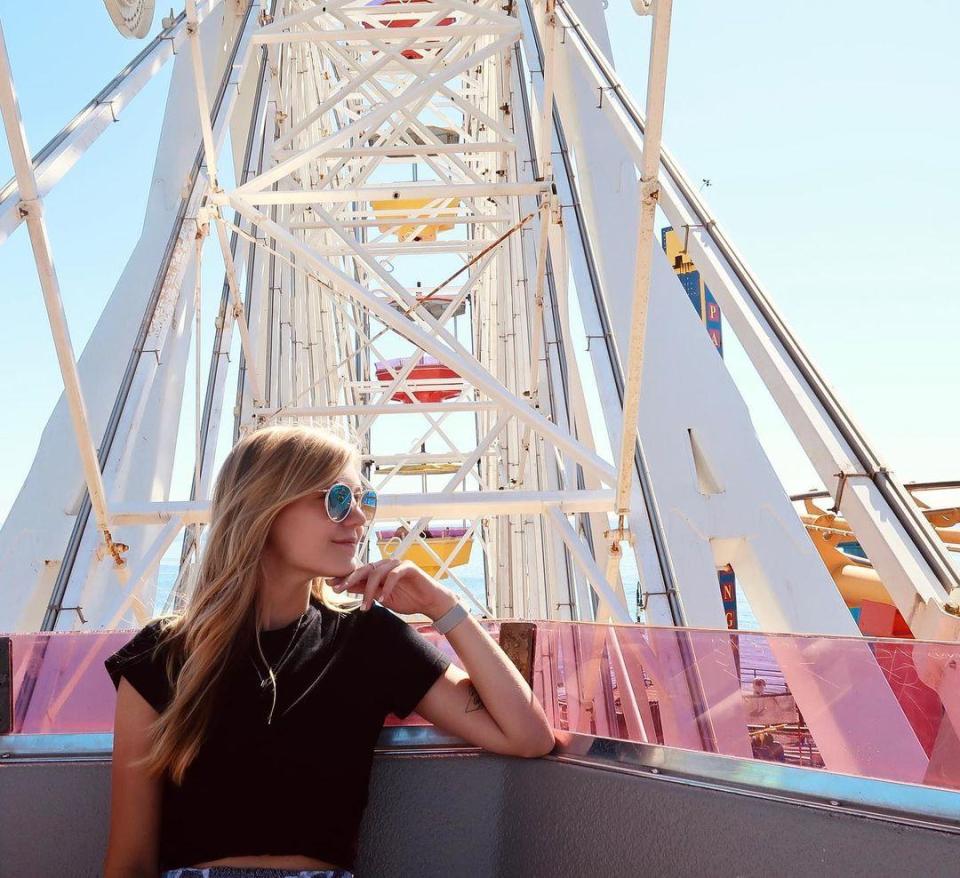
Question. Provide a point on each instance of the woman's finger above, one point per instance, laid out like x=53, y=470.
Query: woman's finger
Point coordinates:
x=342, y=583
x=373, y=582
x=362, y=570
x=389, y=583
x=370, y=590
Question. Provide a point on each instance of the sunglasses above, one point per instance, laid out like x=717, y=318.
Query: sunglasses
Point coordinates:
x=340, y=497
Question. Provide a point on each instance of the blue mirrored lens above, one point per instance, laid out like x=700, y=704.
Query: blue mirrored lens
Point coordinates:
x=368, y=504
x=339, y=498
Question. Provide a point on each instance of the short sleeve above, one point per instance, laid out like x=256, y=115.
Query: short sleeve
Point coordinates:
x=405, y=663
x=143, y=669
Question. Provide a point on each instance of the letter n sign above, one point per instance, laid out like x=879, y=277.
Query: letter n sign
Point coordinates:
x=728, y=594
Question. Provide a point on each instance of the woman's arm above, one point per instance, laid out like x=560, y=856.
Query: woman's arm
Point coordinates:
x=135, y=797
x=487, y=702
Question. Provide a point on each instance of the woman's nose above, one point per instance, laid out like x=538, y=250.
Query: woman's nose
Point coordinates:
x=356, y=516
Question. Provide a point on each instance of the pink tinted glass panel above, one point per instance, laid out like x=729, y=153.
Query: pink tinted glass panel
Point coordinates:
x=876, y=708
x=60, y=685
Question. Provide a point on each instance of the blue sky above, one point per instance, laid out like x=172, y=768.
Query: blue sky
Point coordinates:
x=830, y=141
x=833, y=158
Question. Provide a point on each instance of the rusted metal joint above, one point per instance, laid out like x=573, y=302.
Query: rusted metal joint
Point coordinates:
x=650, y=189
x=952, y=603
x=617, y=535
x=29, y=207
x=116, y=549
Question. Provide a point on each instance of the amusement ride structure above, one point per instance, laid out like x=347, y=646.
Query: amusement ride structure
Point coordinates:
x=421, y=207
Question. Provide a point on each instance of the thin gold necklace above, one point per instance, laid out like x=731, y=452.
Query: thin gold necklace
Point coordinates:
x=330, y=661
x=272, y=670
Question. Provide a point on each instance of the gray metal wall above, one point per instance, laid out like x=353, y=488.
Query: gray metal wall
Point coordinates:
x=483, y=815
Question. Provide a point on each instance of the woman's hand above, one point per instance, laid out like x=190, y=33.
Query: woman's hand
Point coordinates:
x=400, y=585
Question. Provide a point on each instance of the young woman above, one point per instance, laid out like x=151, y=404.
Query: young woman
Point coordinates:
x=245, y=726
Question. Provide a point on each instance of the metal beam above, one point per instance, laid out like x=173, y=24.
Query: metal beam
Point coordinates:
x=453, y=505
x=31, y=208
x=395, y=192
x=410, y=408
x=904, y=549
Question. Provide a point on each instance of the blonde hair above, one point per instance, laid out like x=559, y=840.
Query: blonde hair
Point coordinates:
x=264, y=471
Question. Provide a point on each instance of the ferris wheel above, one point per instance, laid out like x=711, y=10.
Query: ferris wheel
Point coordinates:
x=441, y=223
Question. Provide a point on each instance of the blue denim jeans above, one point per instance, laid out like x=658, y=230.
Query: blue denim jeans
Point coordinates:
x=253, y=872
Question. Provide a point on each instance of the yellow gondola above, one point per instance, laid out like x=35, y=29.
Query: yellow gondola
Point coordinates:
x=416, y=208
x=421, y=469
x=442, y=540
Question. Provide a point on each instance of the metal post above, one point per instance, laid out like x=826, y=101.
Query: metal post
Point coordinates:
x=649, y=192
x=31, y=207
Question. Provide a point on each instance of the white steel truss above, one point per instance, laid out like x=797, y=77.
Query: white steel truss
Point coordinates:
x=417, y=182
x=405, y=189
x=393, y=97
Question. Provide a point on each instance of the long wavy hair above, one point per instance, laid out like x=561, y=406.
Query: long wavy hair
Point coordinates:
x=264, y=471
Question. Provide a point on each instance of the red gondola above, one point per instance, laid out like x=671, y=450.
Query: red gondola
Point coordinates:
x=411, y=53
x=427, y=369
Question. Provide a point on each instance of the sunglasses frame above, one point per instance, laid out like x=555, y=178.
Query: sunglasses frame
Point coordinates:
x=356, y=495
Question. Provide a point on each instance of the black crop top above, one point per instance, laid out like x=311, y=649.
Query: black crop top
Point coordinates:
x=300, y=784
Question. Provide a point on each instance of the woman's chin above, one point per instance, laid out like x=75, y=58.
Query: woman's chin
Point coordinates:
x=344, y=569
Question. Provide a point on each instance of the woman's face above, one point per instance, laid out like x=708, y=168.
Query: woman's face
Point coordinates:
x=305, y=541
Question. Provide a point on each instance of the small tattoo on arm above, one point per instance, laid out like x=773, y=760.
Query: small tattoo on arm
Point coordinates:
x=473, y=700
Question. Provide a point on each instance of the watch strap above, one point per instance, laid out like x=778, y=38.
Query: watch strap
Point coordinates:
x=456, y=614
